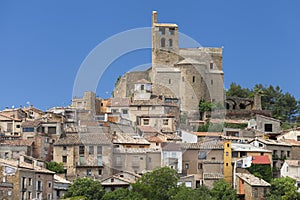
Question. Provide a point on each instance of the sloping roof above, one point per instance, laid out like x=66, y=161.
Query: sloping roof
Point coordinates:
x=34, y=123
x=189, y=61
x=273, y=142
x=292, y=142
x=170, y=146
x=124, y=138
x=261, y=160
x=209, y=144
x=118, y=102
x=253, y=180
x=147, y=129
x=20, y=142
x=294, y=163
x=208, y=134
x=143, y=81
x=58, y=179
x=20, y=165
x=83, y=139
x=247, y=148
x=5, y=116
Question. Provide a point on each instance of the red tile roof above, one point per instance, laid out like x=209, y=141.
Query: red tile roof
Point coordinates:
x=261, y=160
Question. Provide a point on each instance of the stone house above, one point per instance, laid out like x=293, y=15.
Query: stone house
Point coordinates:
x=13, y=149
x=84, y=154
x=21, y=180
x=171, y=156
x=280, y=151
x=119, y=180
x=60, y=187
x=292, y=134
x=250, y=187
x=137, y=160
x=207, y=159
x=291, y=168
x=9, y=126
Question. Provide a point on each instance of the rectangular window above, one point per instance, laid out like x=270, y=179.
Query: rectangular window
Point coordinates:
x=242, y=154
x=81, y=150
x=161, y=30
x=89, y=172
x=125, y=112
x=186, y=166
x=268, y=128
x=64, y=148
x=118, y=161
x=171, y=31
x=211, y=82
x=288, y=153
x=255, y=192
x=99, y=150
x=99, y=171
x=194, y=79
x=91, y=150
x=64, y=159
x=29, y=181
x=211, y=65
x=202, y=155
x=165, y=122
x=200, y=165
x=99, y=159
x=298, y=137
x=28, y=129
x=146, y=121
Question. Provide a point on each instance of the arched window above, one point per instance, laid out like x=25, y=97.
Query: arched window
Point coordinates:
x=170, y=42
x=163, y=42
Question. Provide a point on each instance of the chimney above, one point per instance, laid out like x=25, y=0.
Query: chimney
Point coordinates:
x=257, y=102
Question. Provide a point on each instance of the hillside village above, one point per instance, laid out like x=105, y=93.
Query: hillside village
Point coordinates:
x=152, y=121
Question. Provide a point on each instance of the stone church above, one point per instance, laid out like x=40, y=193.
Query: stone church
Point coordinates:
x=185, y=74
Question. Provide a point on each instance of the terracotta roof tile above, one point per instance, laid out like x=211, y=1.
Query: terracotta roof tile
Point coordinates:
x=261, y=160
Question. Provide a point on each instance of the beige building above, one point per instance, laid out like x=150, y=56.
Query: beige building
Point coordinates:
x=22, y=180
x=84, y=155
x=187, y=74
x=250, y=187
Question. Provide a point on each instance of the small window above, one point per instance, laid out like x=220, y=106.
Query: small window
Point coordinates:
x=163, y=42
x=268, y=128
x=142, y=87
x=187, y=166
x=125, y=112
x=89, y=172
x=64, y=159
x=146, y=121
x=99, y=171
x=170, y=81
x=171, y=31
x=211, y=82
x=211, y=65
x=234, y=154
x=202, y=155
x=226, y=164
x=165, y=122
x=64, y=148
x=91, y=150
x=81, y=149
x=49, y=184
x=162, y=30
x=288, y=153
x=183, y=79
x=255, y=192
x=99, y=149
x=194, y=79
x=18, y=126
x=139, y=108
x=170, y=42
x=200, y=165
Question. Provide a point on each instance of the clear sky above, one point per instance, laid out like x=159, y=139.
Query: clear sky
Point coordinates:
x=43, y=43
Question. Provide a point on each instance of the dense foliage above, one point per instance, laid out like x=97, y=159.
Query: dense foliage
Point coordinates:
x=161, y=184
x=284, y=106
x=55, y=167
x=261, y=171
x=283, y=189
x=87, y=188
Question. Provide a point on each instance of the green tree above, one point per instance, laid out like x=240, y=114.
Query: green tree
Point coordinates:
x=283, y=189
x=185, y=193
x=55, y=167
x=86, y=187
x=223, y=191
x=261, y=171
x=158, y=184
x=122, y=194
x=235, y=90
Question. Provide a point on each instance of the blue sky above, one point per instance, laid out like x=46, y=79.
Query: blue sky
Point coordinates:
x=43, y=43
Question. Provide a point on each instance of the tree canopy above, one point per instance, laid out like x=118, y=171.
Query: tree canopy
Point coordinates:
x=283, y=188
x=284, y=106
x=87, y=188
x=55, y=167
